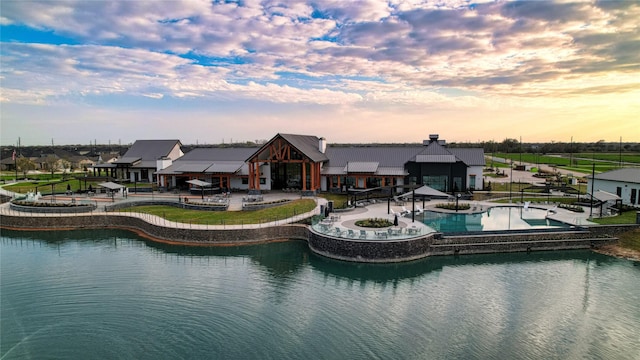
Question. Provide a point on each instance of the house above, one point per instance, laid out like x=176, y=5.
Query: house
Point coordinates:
x=307, y=163
x=433, y=164
x=141, y=162
x=624, y=182
x=224, y=168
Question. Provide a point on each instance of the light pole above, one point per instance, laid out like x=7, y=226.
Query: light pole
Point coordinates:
x=457, y=198
x=511, y=181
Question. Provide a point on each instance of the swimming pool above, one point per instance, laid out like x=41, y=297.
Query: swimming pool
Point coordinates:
x=494, y=219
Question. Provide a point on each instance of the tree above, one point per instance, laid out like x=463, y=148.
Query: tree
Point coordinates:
x=51, y=162
x=25, y=164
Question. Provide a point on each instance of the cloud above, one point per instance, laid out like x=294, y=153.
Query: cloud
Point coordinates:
x=399, y=53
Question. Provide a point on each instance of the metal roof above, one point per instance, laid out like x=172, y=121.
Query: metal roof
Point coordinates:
x=605, y=196
x=420, y=158
x=398, y=156
x=434, y=148
x=470, y=156
x=218, y=154
x=188, y=167
x=385, y=156
x=307, y=144
x=225, y=167
x=629, y=175
x=128, y=160
x=361, y=167
x=148, y=150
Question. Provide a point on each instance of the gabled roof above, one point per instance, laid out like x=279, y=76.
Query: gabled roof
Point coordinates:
x=385, y=156
x=148, y=150
x=629, y=175
x=308, y=145
x=436, y=153
x=210, y=160
x=218, y=154
x=469, y=156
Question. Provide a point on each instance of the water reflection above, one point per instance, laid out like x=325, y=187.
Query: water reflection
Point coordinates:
x=281, y=301
x=285, y=259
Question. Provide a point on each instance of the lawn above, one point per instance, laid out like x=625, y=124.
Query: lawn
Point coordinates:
x=280, y=212
x=630, y=240
x=582, y=162
x=627, y=217
x=340, y=201
x=44, y=187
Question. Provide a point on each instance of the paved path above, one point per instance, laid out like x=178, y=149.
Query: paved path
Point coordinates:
x=346, y=220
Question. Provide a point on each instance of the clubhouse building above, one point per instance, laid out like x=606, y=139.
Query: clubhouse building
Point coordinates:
x=301, y=162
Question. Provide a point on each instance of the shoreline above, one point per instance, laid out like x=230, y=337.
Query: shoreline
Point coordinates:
x=618, y=251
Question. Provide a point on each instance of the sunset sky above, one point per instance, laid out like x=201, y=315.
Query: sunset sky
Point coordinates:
x=75, y=72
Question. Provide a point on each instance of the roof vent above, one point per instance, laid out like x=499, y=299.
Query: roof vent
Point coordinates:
x=432, y=138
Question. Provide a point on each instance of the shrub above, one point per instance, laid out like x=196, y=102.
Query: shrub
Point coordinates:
x=452, y=206
x=374, y=223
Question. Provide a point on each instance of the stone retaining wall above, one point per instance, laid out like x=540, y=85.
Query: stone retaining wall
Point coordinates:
x=370, y=251
x=156, y=232
x=339, y=248
x=72, y=209
x=182, y=205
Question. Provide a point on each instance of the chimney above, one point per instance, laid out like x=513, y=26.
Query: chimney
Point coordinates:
x=322, y=145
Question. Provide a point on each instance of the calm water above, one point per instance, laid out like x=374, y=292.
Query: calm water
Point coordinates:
x=108, y=294
x=497, y=218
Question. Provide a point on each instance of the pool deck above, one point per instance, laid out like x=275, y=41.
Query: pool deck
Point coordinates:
x=347, y=219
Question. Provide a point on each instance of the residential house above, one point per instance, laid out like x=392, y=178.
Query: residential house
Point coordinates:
x=624, y=182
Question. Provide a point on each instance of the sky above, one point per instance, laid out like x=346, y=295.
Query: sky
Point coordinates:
x=392, y=71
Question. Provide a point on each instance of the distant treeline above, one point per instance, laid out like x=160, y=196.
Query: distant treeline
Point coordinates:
x=514, y=146
x=505, y=146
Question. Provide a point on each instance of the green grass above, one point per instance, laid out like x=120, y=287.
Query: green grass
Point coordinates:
x=614, y=157
x=630, y=240
x=204, y=217
x=44, y=187
x=582, y=162
x=339, y=200
x=627, y=217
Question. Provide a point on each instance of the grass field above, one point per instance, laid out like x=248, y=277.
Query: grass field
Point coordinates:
x=582, y=162
x=44, y=187
x=276, y=213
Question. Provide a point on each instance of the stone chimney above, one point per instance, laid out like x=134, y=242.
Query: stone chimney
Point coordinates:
x=322, y=145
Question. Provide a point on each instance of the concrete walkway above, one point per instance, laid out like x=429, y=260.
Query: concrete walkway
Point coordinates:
x=343, y=219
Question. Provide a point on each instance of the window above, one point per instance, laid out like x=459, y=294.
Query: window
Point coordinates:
x=245, y=181
x=472, y=181
x=619, y=191
x=633, y=196
x=438, y=182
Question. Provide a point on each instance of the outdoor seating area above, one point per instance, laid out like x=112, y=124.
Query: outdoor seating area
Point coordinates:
x=253, y=198
x=217, y=199
x=332, y=226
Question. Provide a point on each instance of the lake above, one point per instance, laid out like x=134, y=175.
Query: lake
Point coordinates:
x=110, y=294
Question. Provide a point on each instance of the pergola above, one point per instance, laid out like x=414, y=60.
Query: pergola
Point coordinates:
x=199, y=183
x=111, y=186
